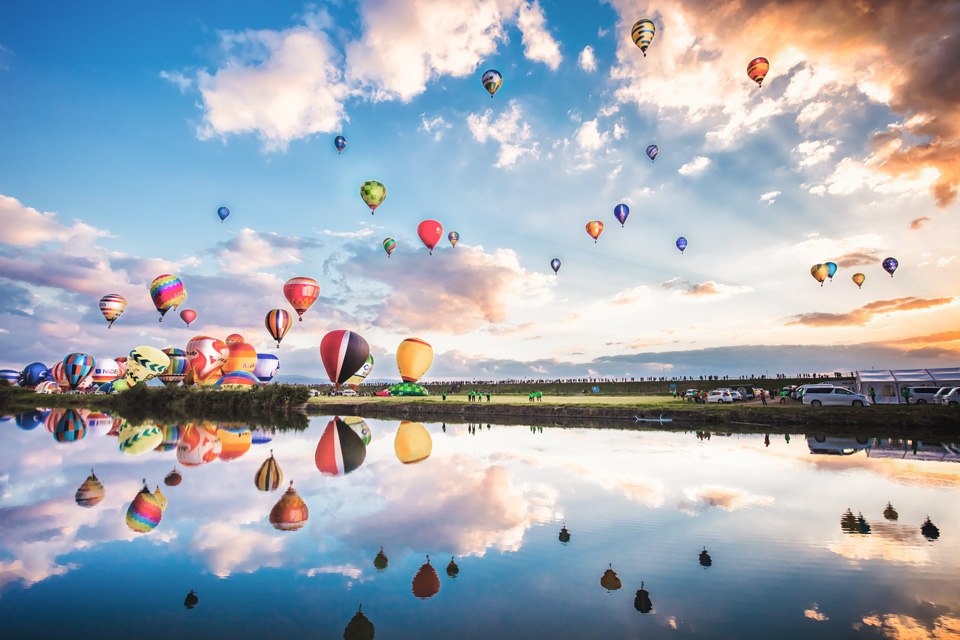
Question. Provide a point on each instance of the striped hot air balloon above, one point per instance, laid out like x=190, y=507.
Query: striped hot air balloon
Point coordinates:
x=234, y=443
x=176, y=371
x=301, y=293
x=757, y=70
x=105, y=370
x=267, y=367
x=112, y=306
x=238, y=380
x=340, y=450
x=47, y=387
x=642, y=34
x=277, y=323
x=144, y=513
x=290, y=513
x=240, y=357
x=269, y=475
x=389, y=245
x=167, y=293
x=91, y=492
x=343, y=353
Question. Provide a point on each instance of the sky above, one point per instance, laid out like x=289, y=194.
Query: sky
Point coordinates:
x=123, y=130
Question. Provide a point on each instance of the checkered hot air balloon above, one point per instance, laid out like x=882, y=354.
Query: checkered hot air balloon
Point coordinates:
x=144, y=513
x=373, y=193
x=301, y=293
x=112, y=306
x=91, y=492
x=269, y=475
x=642, y=34
x=167, y=292
x=290, y=513
x=343, y=353
x=277, y=322
x=70, y=427
x=76, y=368
x=340, y=450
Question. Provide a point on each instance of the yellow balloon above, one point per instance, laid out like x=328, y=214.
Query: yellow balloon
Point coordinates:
x=413, y=443
x=820, y=272
x=859, y=278
x=414, y=357
x=145, y=363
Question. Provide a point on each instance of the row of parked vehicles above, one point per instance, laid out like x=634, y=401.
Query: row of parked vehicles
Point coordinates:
x=821, y=394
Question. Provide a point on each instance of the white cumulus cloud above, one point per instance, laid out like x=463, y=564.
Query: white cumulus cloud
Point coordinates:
x=695, y=167
x=512, y=134
x=769, y=197
x=587, y=60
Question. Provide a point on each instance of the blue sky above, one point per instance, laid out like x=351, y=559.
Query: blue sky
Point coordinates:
x=124, y=129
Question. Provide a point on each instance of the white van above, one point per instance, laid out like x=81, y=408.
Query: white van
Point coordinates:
x=817, y=395
x=921, y=395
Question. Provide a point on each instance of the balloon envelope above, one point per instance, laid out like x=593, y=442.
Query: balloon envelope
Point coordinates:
x=757, y=70
x=290, y=513
x=373, y=193
x=831, y=269
x=453, y=237
x=859, y=279
x=269, y=475
x=430, y=232
x=426, y=583
x=277, y=323
x=301, y=293
x=819, y=272
x=343, y=353
x=412, y=443
x=70, y=426
x=642, y=34
x=112, y=306
x=146, y=362
x=234, y=444
x=681, y=243
x=198, y=445
x=491, y=81
x=135, y=441
x=177, y=369
x=76, y=368
x=414, y=357
x=652, y=152
x=240, y=357
x=340, y=143
x=33, y=374
x=620, y=212
x=340, y=450
x=238, y=380
x=389, y=245
x=267, y=367
x=890, y=265
x=223, y=212
x=10, y=375
x=188, y=316
x=105, y=370
x=555, y=264
x=144, y=513
x=167, y=292
x=361, y=373
x=595, y=228
x=91, y=492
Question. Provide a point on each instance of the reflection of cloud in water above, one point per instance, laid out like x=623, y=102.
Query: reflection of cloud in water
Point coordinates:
x=649, y=493
x=903, y=627
x=454, y=504
x=815, y=614
x=347, y=570
x=226, y=548
x=696, y=500
x=886, y=540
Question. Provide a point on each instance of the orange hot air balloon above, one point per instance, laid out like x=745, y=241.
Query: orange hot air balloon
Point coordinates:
x=198, y=445
x=609, y=580
x=241, y=357
x=412, y=443
x=290, y=513
x=859, y=279
x=173, y=478
x=301, y=293
x=426, y=583
x=595, y=228
x=757, y=70
x=414, y=357
x=234, y=337
x=234, y=444
x=820, y=272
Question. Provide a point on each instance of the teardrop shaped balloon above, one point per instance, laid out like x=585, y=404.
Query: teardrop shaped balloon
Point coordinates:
x=173, y=479
x=269, y=476
x=890, y=265
x=389, y=245
x=453, y=237
x=491, y=81
x=426, y=583
x=340, y=450
x=595, y=228
x=681, y=244
x=414, y=357
x=112, y=306
x=652, y=152
x=620, y=212
x=76, y=368
x=223, y=212
x=301, y=292
x=831, y=269
x=176, y=371
x=340, y=143
x=413, y=443
x=91, y=492
x=819, y=272
x=373, y=193
x=188, y=316
x=555, y=265
x=430, y=232
x=277, y=322
x=343, y=353
x=859, y=279
x=642, y=34
x=144, y=363
x=757, y=70
x=290, y=513
x=167, y=292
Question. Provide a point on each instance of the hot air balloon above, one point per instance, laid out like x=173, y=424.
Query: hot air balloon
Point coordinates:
x=237, y=380
x=564, y=535
x=137, y=440
x=277, y=323
x=223, y=212
x=188, y=316
x=30, y=420
x=595, y=228
x=47, y=387
x=452, y=568
x=105, y=370
x=430, y=232
x=234, y=443
x=173, y=479
x=491, y=81
x=191, y=600
x=91, y=492
x=389, y=245
x=343, y=353
x=757, y=70
x=59, y=375
x=99, y=424
x=414, y=357
x=160, y=498
x=426, y=583
x=609, y=580
x=681, y=244
x=114, y=386
x=890, y=513
x=144, y=513
x=122, y=363
x=373, y=193
x=233, y=338
x=705, y=559
x=340, y=143
x=144, y=363
x=12, y=376
x=112, y=306
x=652, y=152
x=360, y=428
x=199, y=445
x=207, y=356
x=301, y=293
x=359, y=628
x=290, y=513
x=831, y=269
x=620, y=212
x=453, y=237
x=858, y=279
x=642, y=34
x=33, y=374
x=167, y=292
x=555, y=265
x=361, y=374
x=890, y=265
x=642, y=601
x=412, y=443
x=819, y=272
x=405, y=389
x=176, y=371
x=240, y=357
x=269, y=475
x=381, y=561
x=340, y=450
x=929, y=530
x=267, y=367
x=76, y=368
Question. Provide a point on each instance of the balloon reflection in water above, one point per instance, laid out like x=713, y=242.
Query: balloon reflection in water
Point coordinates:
x=191, y=600
x=290, y=513
x=234, y=444
x=642, y=602
x=343, y=354
x=412, y=443
x=135, y=441
x=269, y=475
x=340, y=450
x=31, y=419
x=381, y=561
x=91, y=492
x=890, y=513
x=705, y=559
x=171, y=437
x=452, y=568
x=70, y=427
x=929, y=530
x=198, y=445
x=854, y=525
x=426, y=583
x=144, y=512
x=360, y=428
x=359, y=628
x=609, y=580
x=564, y=535
x=160, y=498
x=173, y=478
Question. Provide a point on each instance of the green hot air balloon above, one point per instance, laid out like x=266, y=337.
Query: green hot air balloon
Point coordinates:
x=373, y=193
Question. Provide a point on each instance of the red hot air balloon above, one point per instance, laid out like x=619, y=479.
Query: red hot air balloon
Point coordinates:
x=595, y=228
x=188, y=316
x=343, y=353
x=426, y=583
x=430, y=232
x=340, y=449
x=290, y=513
x=301, y=293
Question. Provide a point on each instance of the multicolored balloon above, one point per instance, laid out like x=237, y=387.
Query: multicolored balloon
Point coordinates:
x=112, y=306
x=290, y=513
x=91, y=492
x=652, y=152
x=234, y=337
x=389, y=245
x=144, y=363
x=595, y=228
x=555, y=265
x=430, y=232
x=681, y=244
x=177, y=369
x=858, y=279
x=237, y=380
x=188, y=316
x=491, y=81
x=819, y=272
x=105, y=370
x=267, y=367
x=269, y=475
x=414, y=357
x=340, y=143
x=757, y=70
x=223, y=212
x=167, y=292
x=453, y=237
x=642, y=34
x=240, y=357
x=207, y=356
x=831, y=269
x=301, y=292
x=76, y=368
x=144, y=513
x=340, y=450
x=890, y=265
x=620, y=212
x=361, y=375
x=12, y=376
x=373, y=193
x=343, y=353
x=199, y=445
x=277, y=322
x=70, y=426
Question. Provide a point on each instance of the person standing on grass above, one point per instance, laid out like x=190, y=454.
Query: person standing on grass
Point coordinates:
x=873, y=396
x=783, y=396
x=763, y=397
x=906, y=394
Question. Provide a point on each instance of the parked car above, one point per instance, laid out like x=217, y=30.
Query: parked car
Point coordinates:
x=820, y=394
x=952, y=397
x=922, y=395
x=345, y=392
x=736, y=395
x=797, y=393
x=719, y=396
x=937, y=399
x=690, y=393
x=747, y=394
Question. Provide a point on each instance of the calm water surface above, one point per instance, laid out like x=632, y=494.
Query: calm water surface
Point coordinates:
x=784, y=558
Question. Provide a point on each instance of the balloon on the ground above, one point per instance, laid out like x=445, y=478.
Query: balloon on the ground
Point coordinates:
x=146, y=362
x=859, y=279
x=757, y=69
x=105, y=370
x=652, y=152
x=620, y=212
x=167, y=292
x=343, y=353
x=290, y=513
x=240, y=357
x=430, y=232
x=33, y=374
x=47, y=387
x=234, y=337
x=70, y=426
x=12, y=376
x=373, y=193
x=59, y=375
x=413, y=443
x=269, y=475
x=223, y=212
x=91, y=492
x=144, y=513
x=234, y=444
x=890, y=265
x=453, y=237
x=238, y=380
x=491, y=81
x=206, y=356
x=114, y=386
x=277, y=322
x=267, y=367
x=137, y=440
x=199, y=445
x=340, y=143
x=426, y=583
x=831, y=269
x=188, y=316
x=681, y=243
x=361, y=373
x=389, y=245
x=112, y=306
x=340, y=450
x=76, y=368
x=594, y=229
x=414, y=357
x=555, y=265
x=642, y=34
x=819, y=272
x=301, y=293
x=177, y=368
x=405, y=389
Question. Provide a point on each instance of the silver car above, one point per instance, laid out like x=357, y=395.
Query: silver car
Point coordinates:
x=816, y=396
x=953, y=397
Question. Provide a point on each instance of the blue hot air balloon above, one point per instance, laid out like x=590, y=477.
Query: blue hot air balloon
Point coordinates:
x=223, y=212
x=31, y=419
x=340, y=143
x=890, y=265
x=681, y=243
x=555, y=265
x=10, y=375
x=620, y=212
x=652, y=152
x=831, y=269
x=33, y=374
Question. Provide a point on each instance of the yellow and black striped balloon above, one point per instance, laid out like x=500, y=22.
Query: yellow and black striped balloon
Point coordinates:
x=642, y=34
x=269, y=476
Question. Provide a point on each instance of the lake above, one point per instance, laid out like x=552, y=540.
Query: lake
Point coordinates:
x=530, y=532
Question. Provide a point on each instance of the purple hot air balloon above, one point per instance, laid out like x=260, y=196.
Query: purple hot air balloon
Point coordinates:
x=652, y=152
x=890, y=265
x=620, y=212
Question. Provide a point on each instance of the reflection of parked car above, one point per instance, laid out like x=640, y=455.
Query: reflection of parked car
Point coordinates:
x=922, y=395
x=822, y=445
x=820, y=395
x=953, y=397
x=719, y=396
